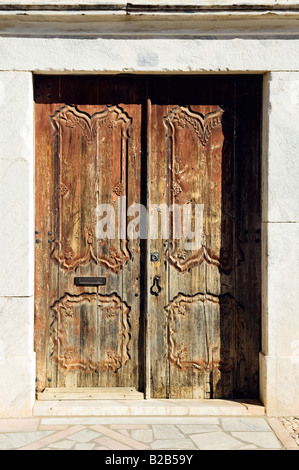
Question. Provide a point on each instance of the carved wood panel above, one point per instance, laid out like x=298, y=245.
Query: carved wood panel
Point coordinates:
x=109, y=313
x=86, y=147
x=190, y=180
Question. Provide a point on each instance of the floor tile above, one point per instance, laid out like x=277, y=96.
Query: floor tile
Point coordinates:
x=215, y=441
x=52, y=427
x=167, y=431
x=173, y=444
x=197, y=428
x=112, y=444
x=200, y=420
x=265, y=440
x=84, y=446
x=52, y=437
x=62, y=445
x=133, y=443
x=125, y=432
x=245, y=424
x=85, y=435
x=142, y=435
x=128, y=426
x=20, y=439
x=248, y=447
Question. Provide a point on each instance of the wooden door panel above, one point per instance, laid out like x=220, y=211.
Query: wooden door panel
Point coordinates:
x=67, y=330
x=88, y=154
x=83, y=172
x=192, y=180
x=203, y=133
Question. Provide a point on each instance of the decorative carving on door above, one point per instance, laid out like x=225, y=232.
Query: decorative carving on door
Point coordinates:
x=69, y=324
x=203, y=351
x=195, y=170
x=203, y=125
x=87, y=146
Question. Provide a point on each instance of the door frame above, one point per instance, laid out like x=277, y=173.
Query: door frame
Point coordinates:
x=251, y=52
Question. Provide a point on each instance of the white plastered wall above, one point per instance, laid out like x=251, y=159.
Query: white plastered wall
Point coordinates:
x=17, y=361
x=278, y=60
x=279, y=359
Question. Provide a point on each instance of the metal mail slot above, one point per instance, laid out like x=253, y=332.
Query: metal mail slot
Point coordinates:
x=90, y=281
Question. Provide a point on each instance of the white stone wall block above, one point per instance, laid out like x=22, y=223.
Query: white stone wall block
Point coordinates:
x=16, y=333
x=16, y=112
x=17, y=391
x=287, y=398
x=267, y=381
x=16, y=184
x=17, y=231
x=282, y=167
x=155, y=54
x=283, y=292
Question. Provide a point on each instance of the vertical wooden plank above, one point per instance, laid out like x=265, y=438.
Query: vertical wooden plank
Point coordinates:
x=44, y=227
x=157, y=267
x=147, y=281
x=248, y=206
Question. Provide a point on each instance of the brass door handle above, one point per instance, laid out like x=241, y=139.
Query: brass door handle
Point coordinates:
x=156, y=288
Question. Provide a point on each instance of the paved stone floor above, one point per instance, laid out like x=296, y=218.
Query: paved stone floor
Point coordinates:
x=182, y=433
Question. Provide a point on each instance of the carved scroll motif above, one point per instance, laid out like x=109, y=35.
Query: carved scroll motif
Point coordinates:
x=195, y=176
x=87, y=149
x=202, y=125
x=65, y=332
x=205, y=350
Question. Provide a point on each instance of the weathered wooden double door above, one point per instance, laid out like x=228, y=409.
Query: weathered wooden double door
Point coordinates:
x=124, y=299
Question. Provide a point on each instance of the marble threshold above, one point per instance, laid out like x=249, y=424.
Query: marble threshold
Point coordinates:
x=150, y=407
